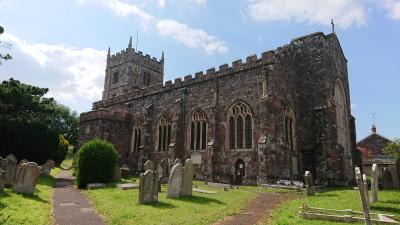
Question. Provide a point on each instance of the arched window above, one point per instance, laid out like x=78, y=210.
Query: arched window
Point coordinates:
x=342, y=125
x=289, y=129
x=136, y=137
x=198, y=130
x=240, y=123
x=164, y=134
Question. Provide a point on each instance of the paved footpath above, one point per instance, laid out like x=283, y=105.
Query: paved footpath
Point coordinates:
x=70, y=206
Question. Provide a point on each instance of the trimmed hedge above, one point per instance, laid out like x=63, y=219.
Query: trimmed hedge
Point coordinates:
x=96, y=161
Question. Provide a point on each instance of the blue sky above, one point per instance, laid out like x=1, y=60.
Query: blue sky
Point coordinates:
x=62, y=44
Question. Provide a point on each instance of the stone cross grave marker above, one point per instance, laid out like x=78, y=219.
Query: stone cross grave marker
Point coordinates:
x=148, y=165
x=175, y=182
x=308, y=178
x=26, y=178
x=148, y=187
x=11, y=169
x=362, y=196
x=187, y=178
x=374, y=183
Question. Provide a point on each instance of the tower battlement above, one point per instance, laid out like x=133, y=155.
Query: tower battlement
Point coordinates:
x=129, y=70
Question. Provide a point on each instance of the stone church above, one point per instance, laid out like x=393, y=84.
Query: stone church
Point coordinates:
x=265, y=118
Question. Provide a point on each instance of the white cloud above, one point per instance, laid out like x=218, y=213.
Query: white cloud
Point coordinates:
x=72, y=74
x=393, y=7
x=161, y=3
x=192, y=38
x=344, y=12
x=125, y=10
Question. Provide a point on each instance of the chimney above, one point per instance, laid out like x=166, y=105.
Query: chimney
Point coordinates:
x=373, y=128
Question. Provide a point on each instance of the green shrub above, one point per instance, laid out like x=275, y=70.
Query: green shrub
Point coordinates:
x=96, y=162
x=62, y=150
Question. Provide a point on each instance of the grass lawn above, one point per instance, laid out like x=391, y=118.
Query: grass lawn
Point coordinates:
x=28, y=209
x=389, y=203
x=121, y=207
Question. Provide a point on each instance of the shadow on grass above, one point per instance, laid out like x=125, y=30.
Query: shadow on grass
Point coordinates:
x=327, y=195
x=200, y=200
x=386, y=209
x=396, y=202
x=162, y=205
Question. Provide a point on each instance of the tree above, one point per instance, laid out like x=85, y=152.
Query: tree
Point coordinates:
x=393, y=148
x=64, y=122
x=6, y=56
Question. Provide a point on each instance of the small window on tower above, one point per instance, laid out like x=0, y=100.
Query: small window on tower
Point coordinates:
x=115, y=77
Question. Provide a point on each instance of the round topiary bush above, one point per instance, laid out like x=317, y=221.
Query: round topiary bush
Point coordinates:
x=96, y=161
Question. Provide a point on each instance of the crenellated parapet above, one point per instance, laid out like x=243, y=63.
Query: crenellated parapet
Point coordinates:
x=252, y=61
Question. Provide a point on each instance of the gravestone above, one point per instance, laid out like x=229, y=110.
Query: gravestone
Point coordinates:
x=187, y=178
x=374, y=183
x=175, y=181
x=162, y=169
x=148, y=165
x=25, y=182
x=2, y=179
x=45, y=170
x=148, y=187
x=309, y=181
x=125, y=171
x=364, y=203
x=177, y=160
x=51, y=163
x=19, y=165
x=10, y=171
x=117, y=173
x=3, y=164
x=366, y=189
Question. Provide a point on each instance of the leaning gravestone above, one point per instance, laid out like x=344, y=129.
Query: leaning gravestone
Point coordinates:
x=308, y=178
x=148, y=165
x=366, y=189
x=11, y=169
x=187, y=178
x=374, y=183
x=26, y=178
x=2, y=179
x=175, y=182
x=362, y=196
x=148, y=187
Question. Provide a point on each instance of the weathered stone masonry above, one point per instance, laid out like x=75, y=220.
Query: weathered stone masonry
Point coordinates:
x=264, y=119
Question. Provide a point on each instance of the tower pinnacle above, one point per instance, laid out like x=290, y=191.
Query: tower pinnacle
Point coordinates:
x=130, y=42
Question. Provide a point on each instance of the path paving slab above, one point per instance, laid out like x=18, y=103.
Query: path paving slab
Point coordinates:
x=70, y=207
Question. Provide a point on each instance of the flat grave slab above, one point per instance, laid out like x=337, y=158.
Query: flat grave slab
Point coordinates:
x=95, y=186
x=204, y=191
x=128, y=186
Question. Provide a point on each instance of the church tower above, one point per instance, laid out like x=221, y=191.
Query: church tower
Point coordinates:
x=129, y=70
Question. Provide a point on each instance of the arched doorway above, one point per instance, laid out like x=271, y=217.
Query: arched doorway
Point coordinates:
x=239, y=171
